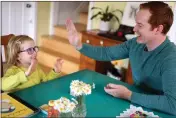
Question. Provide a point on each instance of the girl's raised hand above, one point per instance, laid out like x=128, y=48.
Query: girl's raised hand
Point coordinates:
x=32, y=67
x=58, y=65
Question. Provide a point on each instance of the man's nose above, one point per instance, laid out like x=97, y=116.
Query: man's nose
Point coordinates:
x=135, y=29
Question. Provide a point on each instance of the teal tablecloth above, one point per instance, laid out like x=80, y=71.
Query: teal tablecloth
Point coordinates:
x=99, y=103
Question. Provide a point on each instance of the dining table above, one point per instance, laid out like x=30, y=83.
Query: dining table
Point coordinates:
x=98, y=103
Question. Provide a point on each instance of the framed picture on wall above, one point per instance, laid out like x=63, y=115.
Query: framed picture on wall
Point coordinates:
x=130, y=13
x=172, y=31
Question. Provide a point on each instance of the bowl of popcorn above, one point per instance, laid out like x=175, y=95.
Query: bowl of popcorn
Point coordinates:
x=63, y=105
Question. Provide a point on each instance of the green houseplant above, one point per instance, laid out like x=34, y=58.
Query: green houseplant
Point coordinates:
x=106, y=17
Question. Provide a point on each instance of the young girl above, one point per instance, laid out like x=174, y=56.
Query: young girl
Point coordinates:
x=24, y=71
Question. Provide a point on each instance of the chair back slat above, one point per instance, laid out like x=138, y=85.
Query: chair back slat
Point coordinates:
x=4, y=42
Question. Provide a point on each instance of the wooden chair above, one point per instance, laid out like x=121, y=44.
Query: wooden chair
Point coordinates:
x=129, y=78
x=4, y=41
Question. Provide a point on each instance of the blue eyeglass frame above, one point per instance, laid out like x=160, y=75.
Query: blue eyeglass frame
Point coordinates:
x=31, y=50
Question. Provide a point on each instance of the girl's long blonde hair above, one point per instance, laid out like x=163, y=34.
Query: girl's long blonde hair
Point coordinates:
x=13, y=48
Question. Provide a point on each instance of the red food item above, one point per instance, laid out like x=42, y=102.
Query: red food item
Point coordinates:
x=52, y=112
x=138, y=114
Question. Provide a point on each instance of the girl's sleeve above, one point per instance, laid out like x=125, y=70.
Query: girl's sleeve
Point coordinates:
x=12, y=78
x=51, y=75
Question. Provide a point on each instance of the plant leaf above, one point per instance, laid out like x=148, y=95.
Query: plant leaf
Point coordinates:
x=118, y=11
x=116, y=17
x=96, y=8
x=107, y=9
x=110, y=16
x=105, y=17
x=99, y=13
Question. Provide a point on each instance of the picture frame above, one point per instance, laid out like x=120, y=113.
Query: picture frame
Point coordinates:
x=130, y=13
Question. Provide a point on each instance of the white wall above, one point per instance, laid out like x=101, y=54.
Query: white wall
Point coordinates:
x=60, y=11
x=67, y=9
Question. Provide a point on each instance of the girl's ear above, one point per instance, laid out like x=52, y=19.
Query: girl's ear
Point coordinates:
x=18, y=57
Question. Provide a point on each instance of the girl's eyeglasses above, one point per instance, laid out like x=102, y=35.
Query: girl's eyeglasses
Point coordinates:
x=31, y=50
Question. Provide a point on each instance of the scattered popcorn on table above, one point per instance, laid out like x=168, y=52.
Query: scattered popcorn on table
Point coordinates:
x=93, y=86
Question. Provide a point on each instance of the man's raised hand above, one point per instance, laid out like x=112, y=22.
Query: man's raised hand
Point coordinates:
x=73, y=36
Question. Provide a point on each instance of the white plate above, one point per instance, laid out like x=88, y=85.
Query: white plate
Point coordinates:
x=133, y=109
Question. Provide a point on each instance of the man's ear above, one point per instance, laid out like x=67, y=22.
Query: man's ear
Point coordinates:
x=159, y=29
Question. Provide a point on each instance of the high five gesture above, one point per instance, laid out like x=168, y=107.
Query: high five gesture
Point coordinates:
x=73, y=36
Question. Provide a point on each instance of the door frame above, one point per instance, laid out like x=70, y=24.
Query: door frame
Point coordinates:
x=35, y=21
x=90, y=13
x=54, y=8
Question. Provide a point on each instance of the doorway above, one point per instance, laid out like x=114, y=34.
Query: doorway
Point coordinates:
x=19, y=18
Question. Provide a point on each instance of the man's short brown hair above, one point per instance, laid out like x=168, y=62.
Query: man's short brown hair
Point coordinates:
x=161, y=14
